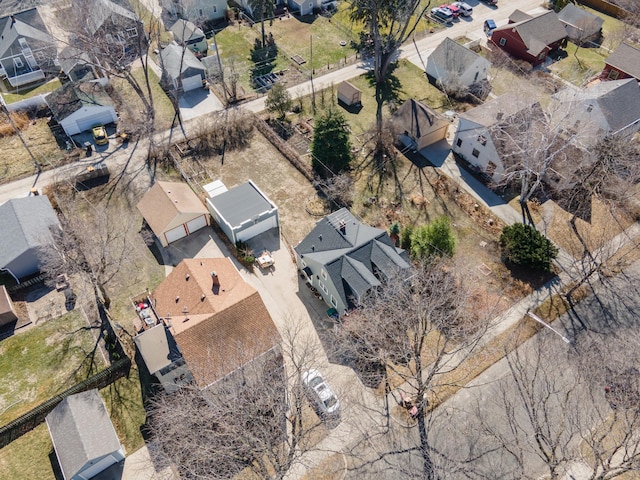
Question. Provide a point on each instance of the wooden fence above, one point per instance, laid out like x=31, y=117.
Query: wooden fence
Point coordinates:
x=606, y=7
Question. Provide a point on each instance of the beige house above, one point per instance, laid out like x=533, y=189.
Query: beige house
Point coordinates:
x=419, y=125
x=7, y=311
x=173, y=211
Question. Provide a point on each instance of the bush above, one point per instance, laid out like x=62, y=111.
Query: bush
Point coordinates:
x=231, y=132
x=405, y=237
x=523, y=245
x=20, y=120
x=331, y=147
x=436, y=238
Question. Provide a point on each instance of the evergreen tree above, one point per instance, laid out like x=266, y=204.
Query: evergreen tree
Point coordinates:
x=331, y=146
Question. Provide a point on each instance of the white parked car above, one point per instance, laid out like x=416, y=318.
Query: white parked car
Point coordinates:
x=466, y=10
x=323, y=396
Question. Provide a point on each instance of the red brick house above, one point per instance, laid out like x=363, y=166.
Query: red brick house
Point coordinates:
x=623, y=63
x=530, y=38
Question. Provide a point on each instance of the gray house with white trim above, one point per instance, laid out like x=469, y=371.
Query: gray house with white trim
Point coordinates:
x=181, y=69
x=83, y=436
x=344, y=259
x=243, y=212
x=25, y=228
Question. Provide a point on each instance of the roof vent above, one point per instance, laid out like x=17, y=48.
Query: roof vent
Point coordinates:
x=313, y=248
x=342, y=227
x=177, y=298
x=320, y=237
x=187, y=277
x=185, y=309
x=202, y=297
x=499, y=115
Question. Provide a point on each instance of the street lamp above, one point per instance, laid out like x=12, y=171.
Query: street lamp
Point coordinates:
x=545, y=324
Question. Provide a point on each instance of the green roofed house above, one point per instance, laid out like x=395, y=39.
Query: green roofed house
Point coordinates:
x=24, y=228
x=80, y=106
x=83, y=436
x=344, y=259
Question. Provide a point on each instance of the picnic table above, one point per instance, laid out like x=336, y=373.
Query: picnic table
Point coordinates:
x=265, y=260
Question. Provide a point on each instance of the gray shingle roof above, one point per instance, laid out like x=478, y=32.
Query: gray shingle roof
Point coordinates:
x=454, y=58
x=241, y=203
x=618, y=101
x=27, y=24
x=24, y=224
x=581, y=19
x=105, y=9
x=81, y=431
x=416, y=118
x=71, y=97
x=626, y=58
x=498, y=109
x=184, y=30
x=352, y=258
x=538, y=32
x=172, y=59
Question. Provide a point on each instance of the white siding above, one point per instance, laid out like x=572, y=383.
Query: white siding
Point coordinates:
x=191, y=83
x=467, y=140
x=257, y=229
x=196, y=224
x=175, y=234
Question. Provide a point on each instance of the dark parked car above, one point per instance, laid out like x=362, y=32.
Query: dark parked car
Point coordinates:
x=489, y=26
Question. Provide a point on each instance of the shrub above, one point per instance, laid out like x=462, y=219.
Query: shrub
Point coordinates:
x=20, y=120
x=523, y=245
x=331, y=147
x=405, y=237
x=436, y=238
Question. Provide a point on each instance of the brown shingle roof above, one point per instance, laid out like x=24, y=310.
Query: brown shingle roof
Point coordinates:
x=228, y=325
x=538, y=32
x=165, y=201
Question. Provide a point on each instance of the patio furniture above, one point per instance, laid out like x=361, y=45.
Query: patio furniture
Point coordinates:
x=265, y=260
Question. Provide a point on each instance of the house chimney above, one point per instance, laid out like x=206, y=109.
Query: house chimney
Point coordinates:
x=343, y=227
x=215, y=279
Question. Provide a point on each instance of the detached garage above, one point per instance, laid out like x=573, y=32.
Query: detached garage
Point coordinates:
x=181, y=66
x=172, y=210
x=242, y=212
x=83, y=436
x=80, y=106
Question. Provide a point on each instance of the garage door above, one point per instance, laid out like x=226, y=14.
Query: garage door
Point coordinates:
x=175, y=234
x=93, y=470
x=190, y=83
x=196, y=224
x=87, y=122
x=257, y=229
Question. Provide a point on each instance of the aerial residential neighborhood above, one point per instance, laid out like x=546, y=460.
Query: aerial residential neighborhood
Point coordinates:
x=327, y=239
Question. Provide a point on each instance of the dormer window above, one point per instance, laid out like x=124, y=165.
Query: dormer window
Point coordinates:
x=589, y=108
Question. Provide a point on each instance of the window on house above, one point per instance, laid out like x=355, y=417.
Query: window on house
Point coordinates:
x=614, y=74
x=503, y=42
x=324, y=274
x=18, y=62
x=324, y=287
x=491, y=168
x=132, y=32
x=475, y=153
x=482, y=140
x=459, y=142
x=542, y=55
x=589, y=108
x=40, y=55
x=304, y=264
x=333, y=301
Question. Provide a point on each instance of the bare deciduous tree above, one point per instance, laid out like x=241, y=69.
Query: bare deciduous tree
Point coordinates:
x=256, y=418
x=419, y=329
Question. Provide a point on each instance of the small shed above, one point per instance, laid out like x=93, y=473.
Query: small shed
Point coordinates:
x=243, y=212
x=7, y=311
x=173, y=211
x=349, y=94
x=83, y=436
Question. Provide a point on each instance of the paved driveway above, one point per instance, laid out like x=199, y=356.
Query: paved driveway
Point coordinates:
x=198, y=102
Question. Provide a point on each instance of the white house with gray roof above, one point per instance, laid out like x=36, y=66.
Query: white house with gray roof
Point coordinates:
x=452, y=64
x=344, y=259
x=474, y=141
x=242, y=212
x=24, y=229
x=605, y=108
x=83, y=436
x=181, y=68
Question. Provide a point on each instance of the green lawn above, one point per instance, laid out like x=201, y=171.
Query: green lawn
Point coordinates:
x=31, y=91
x=580, y=66
x=28, y=456
x=44, y=361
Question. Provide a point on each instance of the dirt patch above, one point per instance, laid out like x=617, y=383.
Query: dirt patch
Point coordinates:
x=275, y=176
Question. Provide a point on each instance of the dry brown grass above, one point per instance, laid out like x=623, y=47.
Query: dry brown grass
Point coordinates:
x=19, y=119
x=331, y=468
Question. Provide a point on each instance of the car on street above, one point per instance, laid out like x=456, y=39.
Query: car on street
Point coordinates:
x=466, y=10
x=442, y=14
x=100, y=135
x=455, y=11
x=320, y=391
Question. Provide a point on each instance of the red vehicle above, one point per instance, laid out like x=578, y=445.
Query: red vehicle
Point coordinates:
x=455, y=11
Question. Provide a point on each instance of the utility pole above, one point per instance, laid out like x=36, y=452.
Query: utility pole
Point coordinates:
x=224, y=86
x=545, y=324
x=313, y=92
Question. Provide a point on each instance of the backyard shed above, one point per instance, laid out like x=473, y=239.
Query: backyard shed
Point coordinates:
x=7, y=311
x=349, y=94
x=83, y=436
x=173, y=211
x=80, y=106
x=243, y=212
